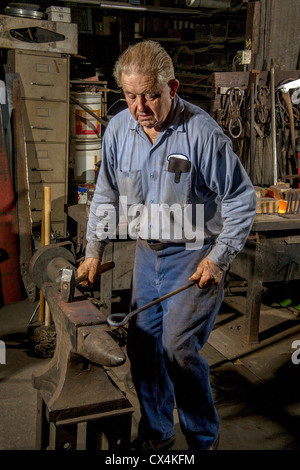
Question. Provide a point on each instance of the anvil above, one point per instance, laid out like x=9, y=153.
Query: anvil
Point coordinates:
x=75, y=381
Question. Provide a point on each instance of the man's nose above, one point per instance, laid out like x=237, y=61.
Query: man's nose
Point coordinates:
x=141, y=102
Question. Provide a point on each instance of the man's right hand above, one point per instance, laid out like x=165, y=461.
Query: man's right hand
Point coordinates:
x=91, y=265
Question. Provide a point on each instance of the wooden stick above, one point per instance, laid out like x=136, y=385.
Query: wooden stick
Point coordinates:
x=47, y=207
x=42, y=299
x=47, y=201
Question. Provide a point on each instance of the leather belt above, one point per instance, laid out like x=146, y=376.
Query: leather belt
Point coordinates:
x=157, y=246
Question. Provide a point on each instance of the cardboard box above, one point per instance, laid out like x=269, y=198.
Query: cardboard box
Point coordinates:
x=267, y=205
x=61, y=14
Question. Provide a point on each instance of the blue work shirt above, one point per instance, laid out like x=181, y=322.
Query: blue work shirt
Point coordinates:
x=135, y=170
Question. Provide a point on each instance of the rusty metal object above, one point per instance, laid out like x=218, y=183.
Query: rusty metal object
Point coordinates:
x=46, y=267
x=288, y=102
x=75, y=382
x=120, y=319
x=69, y=280
x=96, y=345
x=273, y=123
x=48, y=262
x=84, y=345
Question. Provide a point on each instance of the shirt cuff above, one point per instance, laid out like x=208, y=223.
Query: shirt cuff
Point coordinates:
x=94, y=249
x=222, y=255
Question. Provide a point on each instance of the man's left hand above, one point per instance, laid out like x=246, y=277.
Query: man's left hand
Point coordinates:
x=208, y=273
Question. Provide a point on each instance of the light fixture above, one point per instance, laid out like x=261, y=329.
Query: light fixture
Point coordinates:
x=141, y=8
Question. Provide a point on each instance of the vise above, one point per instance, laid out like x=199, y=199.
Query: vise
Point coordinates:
x=75, y=385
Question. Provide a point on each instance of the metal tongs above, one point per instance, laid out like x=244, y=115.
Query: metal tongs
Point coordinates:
x=120, y=319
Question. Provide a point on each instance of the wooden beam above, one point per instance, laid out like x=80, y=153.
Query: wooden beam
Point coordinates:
x=252, y=30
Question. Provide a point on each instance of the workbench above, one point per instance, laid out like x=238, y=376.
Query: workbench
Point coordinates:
x=271, y=254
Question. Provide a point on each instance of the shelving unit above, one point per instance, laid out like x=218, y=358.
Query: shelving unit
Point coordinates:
x=200, y=41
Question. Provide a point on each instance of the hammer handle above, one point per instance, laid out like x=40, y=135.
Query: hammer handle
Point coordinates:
x=102, y=269
x=81, y=278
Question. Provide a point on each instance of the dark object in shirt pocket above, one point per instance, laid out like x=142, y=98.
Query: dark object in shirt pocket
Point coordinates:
x=178, y=166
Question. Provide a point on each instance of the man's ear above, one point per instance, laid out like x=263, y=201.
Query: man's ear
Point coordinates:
x=173, y=84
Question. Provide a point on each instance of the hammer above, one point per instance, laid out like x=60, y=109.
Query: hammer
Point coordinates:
x=69, y=280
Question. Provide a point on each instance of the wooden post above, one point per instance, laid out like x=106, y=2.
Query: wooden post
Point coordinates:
x=252, y=30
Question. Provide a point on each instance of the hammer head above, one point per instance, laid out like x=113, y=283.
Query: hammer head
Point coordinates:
x=67, y=284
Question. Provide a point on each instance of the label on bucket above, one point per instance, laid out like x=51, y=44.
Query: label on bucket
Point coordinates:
x=82, y=195
x=83, y=191
x=86, y=124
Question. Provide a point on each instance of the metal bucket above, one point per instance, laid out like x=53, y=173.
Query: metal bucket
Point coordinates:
x=82, y=124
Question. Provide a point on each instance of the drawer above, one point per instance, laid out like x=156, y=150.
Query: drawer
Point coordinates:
x=46, y=162
x=42, y=77
x=58, y=200
x=45, y=121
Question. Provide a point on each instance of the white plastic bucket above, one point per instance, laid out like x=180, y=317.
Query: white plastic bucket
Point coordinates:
x=87, y=154
x=82, y=124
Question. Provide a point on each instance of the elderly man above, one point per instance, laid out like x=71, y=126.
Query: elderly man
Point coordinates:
x=163, y=151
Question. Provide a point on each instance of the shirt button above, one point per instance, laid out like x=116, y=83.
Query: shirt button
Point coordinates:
x=151, y=175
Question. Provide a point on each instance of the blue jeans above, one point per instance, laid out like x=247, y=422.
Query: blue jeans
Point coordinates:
x=164, y=343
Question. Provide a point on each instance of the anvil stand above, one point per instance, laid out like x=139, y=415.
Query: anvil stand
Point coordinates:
x=74, y=387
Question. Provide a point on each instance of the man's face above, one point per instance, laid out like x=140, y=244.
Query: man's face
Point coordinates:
x=149, y=103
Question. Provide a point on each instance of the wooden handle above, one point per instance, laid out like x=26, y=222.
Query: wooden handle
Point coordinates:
x=47, y=206
x=102, y=269
x=47, y=228
x=106, y=267
x=83, y=277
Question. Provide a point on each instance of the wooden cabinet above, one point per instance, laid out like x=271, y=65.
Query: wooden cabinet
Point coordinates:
x=45, y=105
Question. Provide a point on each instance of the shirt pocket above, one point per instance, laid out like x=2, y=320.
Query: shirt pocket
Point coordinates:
x=130, y=186
x=176, y=193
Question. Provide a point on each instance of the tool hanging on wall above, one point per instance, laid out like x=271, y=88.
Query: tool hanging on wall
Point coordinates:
x=253, y=87
x=292, y=111
x=230, y=114
x=273, y=122
x=267, y=142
